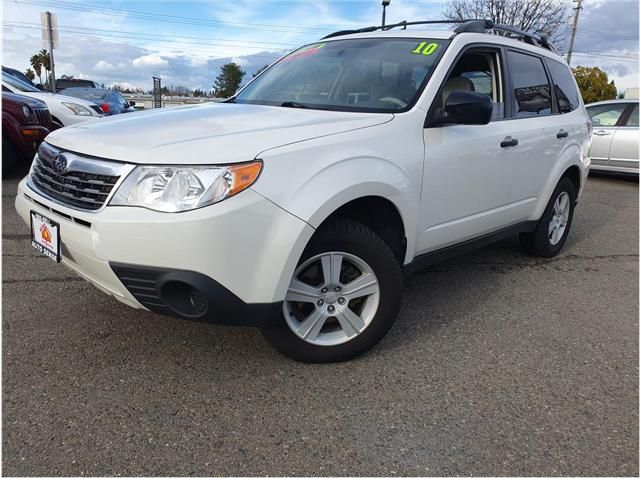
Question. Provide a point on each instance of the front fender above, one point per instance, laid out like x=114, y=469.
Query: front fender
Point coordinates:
x=312, y=179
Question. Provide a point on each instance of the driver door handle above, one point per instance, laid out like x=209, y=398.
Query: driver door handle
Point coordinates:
x=508, y=142
x=602, y=133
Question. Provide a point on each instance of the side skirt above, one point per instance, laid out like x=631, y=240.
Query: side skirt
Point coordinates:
x=433, y=257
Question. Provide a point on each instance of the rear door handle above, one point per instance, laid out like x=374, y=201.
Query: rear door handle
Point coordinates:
x=562, y=134
x=602, y=133
x=509, y=141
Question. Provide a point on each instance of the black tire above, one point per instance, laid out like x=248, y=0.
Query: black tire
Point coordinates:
x=538, y=243
x=356, y=239
x=9, y=157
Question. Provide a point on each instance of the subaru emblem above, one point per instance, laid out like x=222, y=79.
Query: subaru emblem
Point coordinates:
x=60, y=164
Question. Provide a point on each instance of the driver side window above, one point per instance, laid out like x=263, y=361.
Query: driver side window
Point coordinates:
x=480, y=71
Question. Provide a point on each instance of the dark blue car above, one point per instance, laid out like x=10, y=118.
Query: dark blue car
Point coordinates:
x=112, y=102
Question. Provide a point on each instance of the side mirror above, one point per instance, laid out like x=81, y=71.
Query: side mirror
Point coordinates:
x=464, y=107
x=132, y=103
x=40, y=87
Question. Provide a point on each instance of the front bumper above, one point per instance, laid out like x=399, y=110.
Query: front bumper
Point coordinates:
x=244, y=248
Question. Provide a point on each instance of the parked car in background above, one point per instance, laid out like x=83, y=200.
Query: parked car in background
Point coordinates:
x=18, y=74
x=614, y=145
x=63, y=83
x=111, y=102
x=65, y=110
x=25, y=123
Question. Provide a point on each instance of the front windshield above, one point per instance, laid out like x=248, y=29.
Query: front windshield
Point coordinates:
x=369, y=75
x=18, y=84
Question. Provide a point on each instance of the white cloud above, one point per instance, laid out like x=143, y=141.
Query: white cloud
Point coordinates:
x=154, y=61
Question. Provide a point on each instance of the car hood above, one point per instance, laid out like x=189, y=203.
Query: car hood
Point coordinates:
x=27, y=100
x=213, y=133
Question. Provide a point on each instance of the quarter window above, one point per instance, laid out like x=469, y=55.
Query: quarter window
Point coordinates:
x=607, y=114
x=566, y=91
x=531, y=89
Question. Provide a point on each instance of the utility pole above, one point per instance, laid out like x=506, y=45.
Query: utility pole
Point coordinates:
x=385, y=3
x=574, y=27
x=50, y=35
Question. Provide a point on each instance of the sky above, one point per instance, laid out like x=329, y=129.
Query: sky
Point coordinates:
x=185, y=42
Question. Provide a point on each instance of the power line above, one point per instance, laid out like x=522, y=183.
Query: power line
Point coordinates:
x=154, y=17
x=19, y=24
x=129, y=37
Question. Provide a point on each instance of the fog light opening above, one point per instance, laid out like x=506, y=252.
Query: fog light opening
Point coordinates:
x=184, y=299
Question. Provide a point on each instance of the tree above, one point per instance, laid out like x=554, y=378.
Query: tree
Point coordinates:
x=260, y=70
x=228, y=81
x=594, y=84
x=36, y=64
x=45, y=61
x=30, y=74
x=542, y=17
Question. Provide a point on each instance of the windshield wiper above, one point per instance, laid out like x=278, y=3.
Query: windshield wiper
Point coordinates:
x=293, y=104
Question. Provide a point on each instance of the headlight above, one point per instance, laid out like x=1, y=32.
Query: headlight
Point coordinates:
x=183, y=188
x=77, y=109
x=26, y=111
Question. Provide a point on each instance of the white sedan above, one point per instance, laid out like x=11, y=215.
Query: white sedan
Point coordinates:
x=616, y=137
x=65, y=110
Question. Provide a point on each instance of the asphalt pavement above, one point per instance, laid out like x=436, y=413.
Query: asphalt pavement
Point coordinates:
x=499, y=364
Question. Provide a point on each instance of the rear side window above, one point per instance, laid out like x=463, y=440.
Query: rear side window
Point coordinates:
x=531, y=89
x=633, y=118
x=607, y=114
x=566, y=91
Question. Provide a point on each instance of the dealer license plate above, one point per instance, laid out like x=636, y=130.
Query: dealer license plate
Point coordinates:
x=45, y=236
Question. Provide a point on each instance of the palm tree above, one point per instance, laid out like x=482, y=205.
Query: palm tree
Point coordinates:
x=36, y=64
x=30, y=74
x=45, y=60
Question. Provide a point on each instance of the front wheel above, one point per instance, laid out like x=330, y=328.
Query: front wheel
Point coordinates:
x=553, y=227
x=343, y=298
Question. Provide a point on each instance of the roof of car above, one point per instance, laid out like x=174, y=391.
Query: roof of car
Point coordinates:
x=618, y=100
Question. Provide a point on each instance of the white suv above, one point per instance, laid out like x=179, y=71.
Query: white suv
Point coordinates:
x=299, y=204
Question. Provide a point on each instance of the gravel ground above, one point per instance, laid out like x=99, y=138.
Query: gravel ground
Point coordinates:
x=499, y=364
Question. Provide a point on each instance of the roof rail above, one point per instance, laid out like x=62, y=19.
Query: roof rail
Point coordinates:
x=404, y=24
x=480, y=26
x=466, y=26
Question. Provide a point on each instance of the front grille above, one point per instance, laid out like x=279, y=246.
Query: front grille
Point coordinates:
x=44, y=117
x=142, y=284
x=97, y=109
x=77, y=189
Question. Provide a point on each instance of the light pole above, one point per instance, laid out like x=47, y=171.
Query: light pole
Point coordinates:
x=385, y=3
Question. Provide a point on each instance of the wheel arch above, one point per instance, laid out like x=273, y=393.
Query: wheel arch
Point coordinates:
x=380, y=215
x=570, y=165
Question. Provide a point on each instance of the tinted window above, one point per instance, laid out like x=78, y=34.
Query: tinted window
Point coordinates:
x=530, y=84
x=606, y=115
x=633, y=119
x=566, y=91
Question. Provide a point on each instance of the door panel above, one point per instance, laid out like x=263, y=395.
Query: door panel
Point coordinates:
x=606, y=119
x=467, y=186
x=625, y=151
x=601, y=144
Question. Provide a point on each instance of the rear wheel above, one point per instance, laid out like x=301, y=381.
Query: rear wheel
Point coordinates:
x=552, y=230
x=343, y=297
